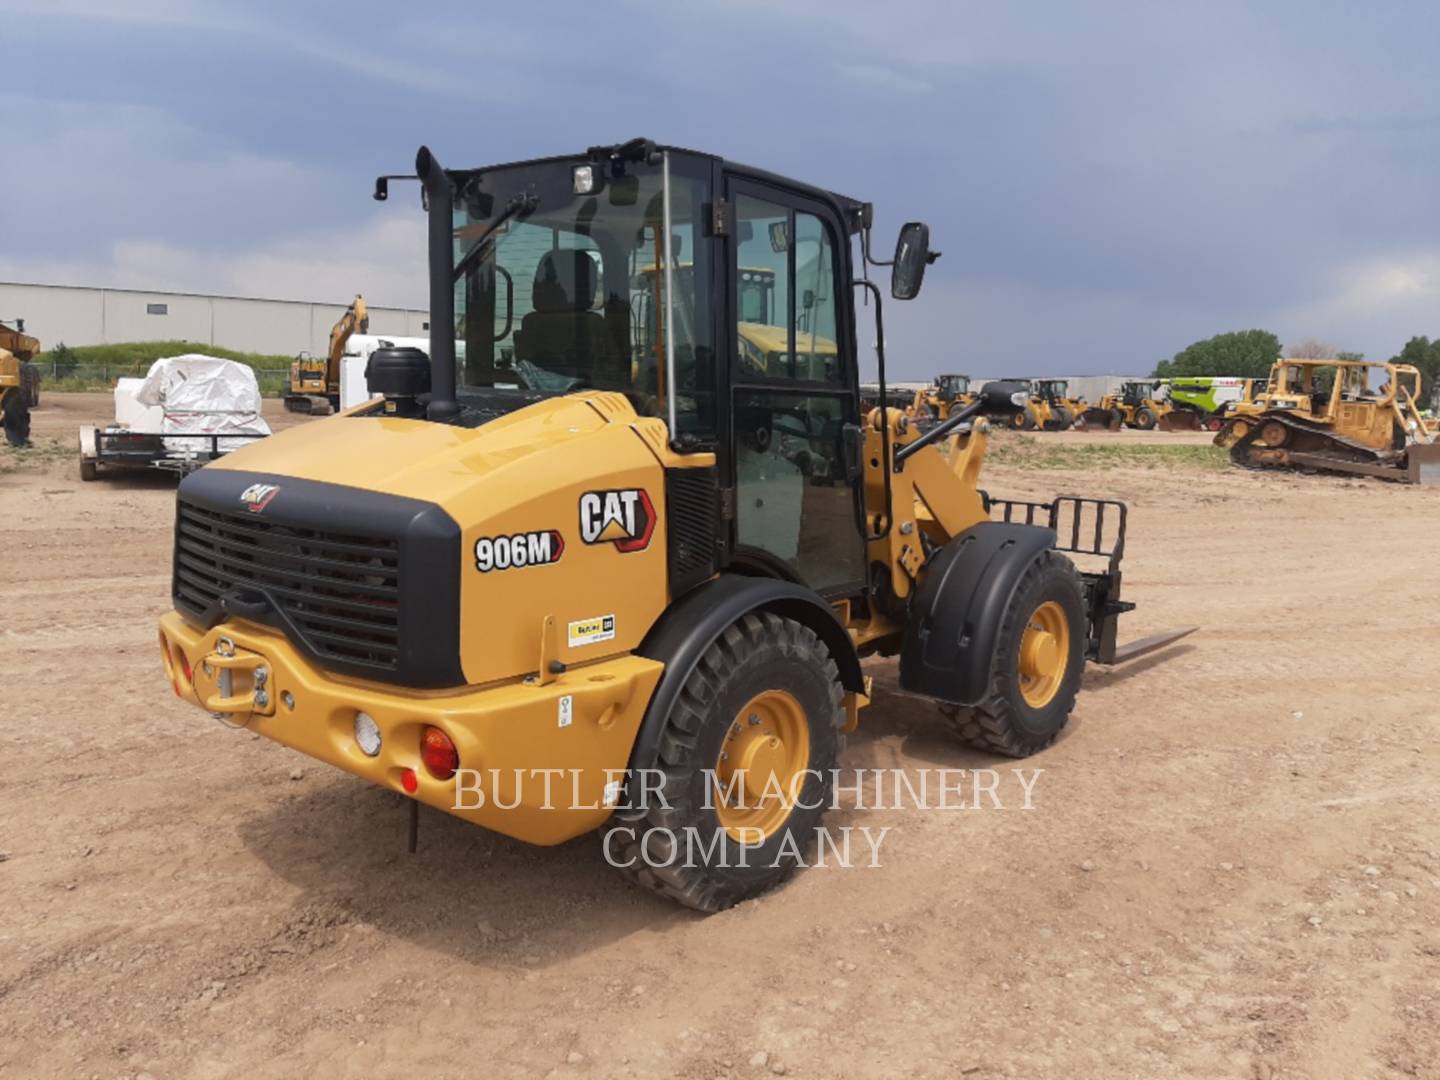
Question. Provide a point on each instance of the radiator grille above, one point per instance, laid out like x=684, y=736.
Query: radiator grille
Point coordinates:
x=692, y=512
x=339, y=592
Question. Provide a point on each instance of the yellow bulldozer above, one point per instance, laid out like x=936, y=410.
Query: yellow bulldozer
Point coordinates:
x=521, y=589
x=1347, y=416
x=315, y=381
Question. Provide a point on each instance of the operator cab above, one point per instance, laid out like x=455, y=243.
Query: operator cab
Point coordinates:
x=714, y=296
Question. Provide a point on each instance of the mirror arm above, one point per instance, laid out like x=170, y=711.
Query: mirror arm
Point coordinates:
x=870, y=260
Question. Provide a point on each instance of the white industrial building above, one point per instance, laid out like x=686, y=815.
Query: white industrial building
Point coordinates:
x=80, y=315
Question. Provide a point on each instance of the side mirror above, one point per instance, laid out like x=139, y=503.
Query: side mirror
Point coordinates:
x=912, y=255
x=1005, y=397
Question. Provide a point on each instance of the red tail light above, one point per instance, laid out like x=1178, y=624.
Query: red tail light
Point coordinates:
x=439, y=754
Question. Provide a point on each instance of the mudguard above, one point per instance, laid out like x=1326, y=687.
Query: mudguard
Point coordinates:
x=692, y=624
x=955, y=615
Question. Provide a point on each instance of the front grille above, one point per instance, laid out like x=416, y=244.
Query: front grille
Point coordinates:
x=337, y=592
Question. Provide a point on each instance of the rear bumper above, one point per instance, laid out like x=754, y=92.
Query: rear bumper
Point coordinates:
x=537, y=764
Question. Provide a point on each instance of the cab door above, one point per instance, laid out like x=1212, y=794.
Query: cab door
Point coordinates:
x=794, y=408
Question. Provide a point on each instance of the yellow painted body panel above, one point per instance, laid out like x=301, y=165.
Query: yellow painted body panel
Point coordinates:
x=520, y=473
x=514, y=728
x=9, y=369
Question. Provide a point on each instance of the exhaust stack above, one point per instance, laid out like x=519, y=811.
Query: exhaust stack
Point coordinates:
x=439, y=196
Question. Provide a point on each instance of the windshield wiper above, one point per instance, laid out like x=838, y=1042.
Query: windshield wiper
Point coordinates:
x=522, y=205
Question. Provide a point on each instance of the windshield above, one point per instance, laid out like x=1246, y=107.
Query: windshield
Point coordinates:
x=557, y=291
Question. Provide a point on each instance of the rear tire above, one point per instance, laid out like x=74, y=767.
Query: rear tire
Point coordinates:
x=1024, y=420
x=760, y=657
x=1022, y=714
x=88, y=469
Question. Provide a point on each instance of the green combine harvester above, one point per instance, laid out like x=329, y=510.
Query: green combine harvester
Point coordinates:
x=1201, y=402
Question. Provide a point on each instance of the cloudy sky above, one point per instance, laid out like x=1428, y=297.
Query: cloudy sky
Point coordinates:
x=1108, y=181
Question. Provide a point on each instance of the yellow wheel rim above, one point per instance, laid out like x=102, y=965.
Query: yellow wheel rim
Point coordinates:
x=1044, y=654
x=761, y=769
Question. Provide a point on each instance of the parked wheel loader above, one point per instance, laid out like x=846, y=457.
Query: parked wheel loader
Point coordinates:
x=1347, y=416
x=24, y=347
x=315, y=381
x=947, y=394
x=1050, y=408
x=14, y=400
x=520, y=589
x=1141, y=404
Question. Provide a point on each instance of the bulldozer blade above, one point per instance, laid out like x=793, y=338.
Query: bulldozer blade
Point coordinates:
x=1422, y=463
x=1150, y=644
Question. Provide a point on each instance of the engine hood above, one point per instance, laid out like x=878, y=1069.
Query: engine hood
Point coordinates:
x=421, y=459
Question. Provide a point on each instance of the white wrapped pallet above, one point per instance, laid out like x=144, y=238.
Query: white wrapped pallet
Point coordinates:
x=131, y=413
x=203, y=395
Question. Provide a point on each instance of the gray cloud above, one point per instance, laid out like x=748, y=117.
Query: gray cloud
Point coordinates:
x=1108, y=181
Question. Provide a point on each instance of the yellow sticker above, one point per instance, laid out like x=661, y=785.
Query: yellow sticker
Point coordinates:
x=592, y=631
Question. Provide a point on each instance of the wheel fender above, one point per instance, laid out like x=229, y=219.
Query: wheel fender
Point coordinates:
x=692, y=624
x=87, y=441
x=954, y=617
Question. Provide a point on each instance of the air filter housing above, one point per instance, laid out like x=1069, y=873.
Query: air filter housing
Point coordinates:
x=401, y=375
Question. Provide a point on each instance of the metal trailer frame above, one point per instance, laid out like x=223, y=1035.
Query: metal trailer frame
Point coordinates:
x=121, y=447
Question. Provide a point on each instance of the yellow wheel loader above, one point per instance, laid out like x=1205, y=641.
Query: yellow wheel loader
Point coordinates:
x=14, y=400
x=522, y=590
x=946, y=395
x=1050, y=408
x=24, y=348
x=1141, y=404
x=1348, y=416
x=315, y=381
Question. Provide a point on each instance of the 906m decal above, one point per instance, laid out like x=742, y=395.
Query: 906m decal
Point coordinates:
x=518, y=549
x=623, y=517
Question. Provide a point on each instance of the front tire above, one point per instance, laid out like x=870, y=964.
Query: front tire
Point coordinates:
x=1024, y=420
x=759, y=715
x=1036, y=668
x=1145, y=419
x=15, y=414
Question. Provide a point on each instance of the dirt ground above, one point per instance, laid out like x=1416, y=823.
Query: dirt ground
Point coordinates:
x=1231, y=867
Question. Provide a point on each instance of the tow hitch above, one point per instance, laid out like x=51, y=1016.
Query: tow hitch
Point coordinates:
x=233, y=682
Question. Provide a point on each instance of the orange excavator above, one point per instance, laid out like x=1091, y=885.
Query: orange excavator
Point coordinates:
x=315, y=382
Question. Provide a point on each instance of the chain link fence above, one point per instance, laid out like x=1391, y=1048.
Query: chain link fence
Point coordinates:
x=61, y=375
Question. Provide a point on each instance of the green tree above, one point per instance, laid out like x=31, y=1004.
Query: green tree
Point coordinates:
x=1247, y=354
x=1425, y=355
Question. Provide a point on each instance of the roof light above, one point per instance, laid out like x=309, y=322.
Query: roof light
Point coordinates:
x=584, y=177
